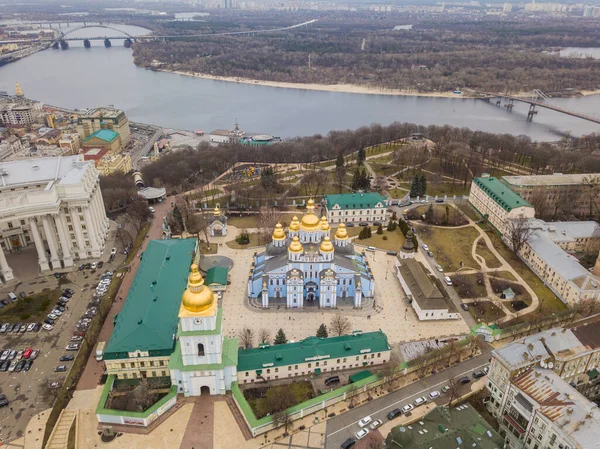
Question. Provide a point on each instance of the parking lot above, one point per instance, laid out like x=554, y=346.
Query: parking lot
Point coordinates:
x=29, y=392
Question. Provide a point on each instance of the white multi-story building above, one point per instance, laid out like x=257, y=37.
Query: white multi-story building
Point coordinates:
x=497, y=202
x=356, y=208
x=18, y=114
x=54, y=203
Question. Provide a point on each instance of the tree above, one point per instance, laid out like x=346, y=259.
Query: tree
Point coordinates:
x=415, y=188
x=380, y=229
x=264, y=336
x=391, y=226
x=322, y=331
x=380, y=184
x=246, y=336
x=452, y=389
x=268, y=178
x=423, y=185
x=361, y=156
x=283, y=419
x=340, y=325
x=351, y=394
x=519, y=232
x=138, y=213
x=340, y=171
x=369, y=233
x=592, y=184
x=280, y=338
x=194, y=223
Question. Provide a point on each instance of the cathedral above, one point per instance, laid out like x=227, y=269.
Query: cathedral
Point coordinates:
x=306, y=267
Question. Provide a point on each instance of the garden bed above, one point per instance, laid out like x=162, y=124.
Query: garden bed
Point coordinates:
x=469, y=285
x=269, y=400
x=486, y=311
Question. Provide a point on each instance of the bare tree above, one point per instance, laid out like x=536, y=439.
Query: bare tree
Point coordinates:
x=138, y=213
x=246, y=336
x=452, y=389
x=592, y=184
x=283, y=419
x=264, y=336
x=379, y=184
x=340, y=325
x=351, y=394
x=194, y=223
x=267, y=219
x=519, y=232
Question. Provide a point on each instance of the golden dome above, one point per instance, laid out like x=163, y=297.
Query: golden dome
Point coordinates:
x=295, y=224
x=296, y=246
x=324, y=223
x=326, y=245
x=310, y=221
x=217, y=211
x=278, y=233
x=341, y=233
x=196, y=297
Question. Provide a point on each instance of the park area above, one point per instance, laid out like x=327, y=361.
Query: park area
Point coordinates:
x=451, y=247
x=32, y=308
x=438, y=215
x=269, y=400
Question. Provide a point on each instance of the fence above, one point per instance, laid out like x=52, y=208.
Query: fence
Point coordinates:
x=262, y=425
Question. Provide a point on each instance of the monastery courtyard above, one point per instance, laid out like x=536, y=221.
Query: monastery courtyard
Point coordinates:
x=392, y=313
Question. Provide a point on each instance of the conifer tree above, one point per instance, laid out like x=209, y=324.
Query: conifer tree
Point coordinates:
x=280, y=338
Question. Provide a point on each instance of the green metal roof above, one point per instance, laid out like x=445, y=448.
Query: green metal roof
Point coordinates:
x=443, y=428
x=108, y=135
x=312, y=349
x=149, y=318
x=216, y=275
x=229, y=358
x=593, y=373
x=360, y=376
x=503, y=195
x=355, y=200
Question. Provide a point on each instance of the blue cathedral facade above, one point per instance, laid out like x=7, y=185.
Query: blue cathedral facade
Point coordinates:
x=305, y=267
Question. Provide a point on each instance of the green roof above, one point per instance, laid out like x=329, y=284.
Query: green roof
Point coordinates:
x=443, y=428
x=360, y=376
x=108, y=135
x=148, y=320
x=503, y=195
x=355, y=200
x=312, y=349
x=592, y=374
x=216, y=275
x=229, y=358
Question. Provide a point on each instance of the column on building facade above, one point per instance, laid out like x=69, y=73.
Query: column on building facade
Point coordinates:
x=52, y=243
x=81, y=252
x=65, y=241
x=265, y=296
x=91, y=229
x=6, y=271
x=39, y=245
x=99, y=219
x=100, y=205
x=98, y=224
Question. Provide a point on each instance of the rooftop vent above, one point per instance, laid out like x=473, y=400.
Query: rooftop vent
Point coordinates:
x=168, y=258
x=140, y=321
x=4, y=172
x=35, y=167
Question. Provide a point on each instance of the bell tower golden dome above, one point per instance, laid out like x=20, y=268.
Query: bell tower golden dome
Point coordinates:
x=341, y=233
x=197, y=299
x=310, y=222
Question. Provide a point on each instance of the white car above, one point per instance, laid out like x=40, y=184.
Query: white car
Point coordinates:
x=362, y=433
x=447, y=280
x=94, y=265
x=56, y=312
x=47, y=326
x=366, y=420
x=113, y=251
x=375, y=424
x=439, y=268
x=434, y=394
x=53, y=316
x=30, y=327
x=407, y=408
x=425, y=247
x=420, y=401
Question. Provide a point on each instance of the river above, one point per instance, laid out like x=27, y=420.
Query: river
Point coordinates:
x=83, y=78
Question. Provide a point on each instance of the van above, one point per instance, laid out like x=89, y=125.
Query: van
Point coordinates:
x=370, y=248
x=12, y=297
x=333, y=380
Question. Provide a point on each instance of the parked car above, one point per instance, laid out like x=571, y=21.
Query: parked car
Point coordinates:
x=53, y=316
x=54, y=384
x=407, y=408
x=4, y=355
x=94, y=265
x=28, y=364
x=439, y=268
x=60, y=308
x=375, y=424
x=464, y=306
x=100, y=264
x=391, y=253
x=371, y=248
x=429, y=253
x=69, y=291
x=19, y=355
x=478, y=374
x=27, y=353
x=34, y=354
x=439, y=200
x=4, y=365
x=81, y=267
x=20, y=366
x=72, y=347
x=23, y=328
x=76, y=338
x=47, y=327
x=447, y=280
x=56, y=312
x=12, y=365
x=348, y=443
x=30, y=327
x=394, y=413
x=445, y=389
x=66, y=358
x=3, y=328
x=12, y=354
x=3, y=400
x=113, y=251
x=361, y=434
x=425, y=247
x=16, y=328
x=60, y=369
x=420, y=401
x=5, y=302
x=434, y=394
x=37, y=327
x=366, y=420
x=464, y=380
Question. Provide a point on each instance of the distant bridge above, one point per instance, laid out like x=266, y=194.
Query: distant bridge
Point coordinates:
x=148, y=37
x=537, y=98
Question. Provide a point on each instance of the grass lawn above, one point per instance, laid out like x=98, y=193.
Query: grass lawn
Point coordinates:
x=381, y=160
x=549, y=302
x=469, y=285
x=394, y=241
x=247, y=221
x=450, y=246
x=490, y=260
x=384, y=148
x=455, y=218
x=486, y=311
x=447, y=188
x=383, y=169
x=203, y=248
x=466, y=209
x=31, y=308
x=503, y=274
x=255, y=240
x=398, y=193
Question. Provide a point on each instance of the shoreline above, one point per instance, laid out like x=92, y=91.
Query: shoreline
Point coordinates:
x=343, y=88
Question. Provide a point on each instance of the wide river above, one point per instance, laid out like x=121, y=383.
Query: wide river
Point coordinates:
x=83, y=78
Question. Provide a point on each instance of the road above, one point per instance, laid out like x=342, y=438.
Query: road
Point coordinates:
x=138, y=153
x=344, y=426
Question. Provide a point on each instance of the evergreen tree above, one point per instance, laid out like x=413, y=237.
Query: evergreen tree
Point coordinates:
x=268, y=178
x=423, y=183
x=356, y=180
x=379, y=229
x=339, y=162
x=391, y=225
x=368, y=228
x=280, y=338
x=365, y=182
x=415, y=241
x=415, y=187
x=403, y=227
x=360, y=158
x=322, y=331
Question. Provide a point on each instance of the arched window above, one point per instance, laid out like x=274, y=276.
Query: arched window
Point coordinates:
x=200, y=349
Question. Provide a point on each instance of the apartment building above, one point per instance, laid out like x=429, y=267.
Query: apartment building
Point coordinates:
x=356, y=208
x=93, y=120
x=567, y=192
x=497, y=202
x=17, y=114
x=312, y=355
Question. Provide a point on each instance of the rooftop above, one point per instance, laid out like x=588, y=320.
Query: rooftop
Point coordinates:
x=443, y=428
x=101, y=113
x=563, y=263
x=588, y=334
x=64, y=169
x=312, y=349
x=566, y=231
x=107, y=135
x=423, y=289
x=148, y=320
x=216, y=275
x=574, y=415
x=557, y=179
x=501, y=193
x=152, y=193
x=355, y=200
